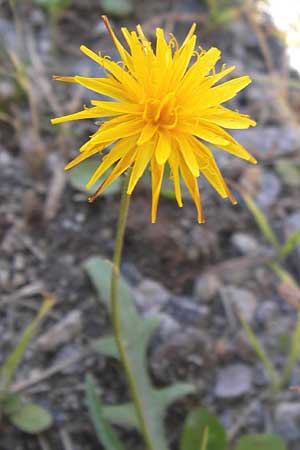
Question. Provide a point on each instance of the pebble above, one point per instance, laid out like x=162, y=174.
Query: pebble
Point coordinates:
x=182, y=355
x=150, y=296
x=269, y=190
x=242, y=301
x=206, y=288
x=187, y=312
x=233, y=381
x=245, y=244
x=282, y=140
x=287, y=421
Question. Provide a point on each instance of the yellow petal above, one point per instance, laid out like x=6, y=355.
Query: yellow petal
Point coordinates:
x=122, y=52
x=83, y=156
x=88, y=113
x=187, y=154
x=122, y=165
x=174, y=166
x=163, y=147
x=128, y=82
x=116, y=153
x=157, y=172
x=192, y=185
x=104, y=86
x=225, y=91
x=181, y=60
x=226, y=118
x=119, y=107
x=122, y=130
x=147, y=133
x=203, y=130
x=144, y=154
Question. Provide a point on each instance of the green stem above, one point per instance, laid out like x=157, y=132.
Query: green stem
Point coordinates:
x=115, y=313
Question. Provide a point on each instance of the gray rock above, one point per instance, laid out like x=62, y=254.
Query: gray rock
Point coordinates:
x=183, y=355
x=282, y=140
x=241, y=300
x=287, y=421
x=269, y=190
x=186, y=312
x=150, y=296
x=233, y=381
x=206, y=287
x=245, y=244
x=168, y=326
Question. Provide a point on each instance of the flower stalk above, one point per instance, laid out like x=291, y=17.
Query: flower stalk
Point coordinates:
x=116, y=309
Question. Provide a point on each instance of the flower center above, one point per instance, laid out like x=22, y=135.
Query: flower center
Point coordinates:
x=162, y=112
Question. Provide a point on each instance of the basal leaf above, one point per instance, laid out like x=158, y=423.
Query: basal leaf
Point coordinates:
x=80, y=175
x=260, y=442
x=104, y=431
x=136, y=333
x=31, y=418
x=194, y=432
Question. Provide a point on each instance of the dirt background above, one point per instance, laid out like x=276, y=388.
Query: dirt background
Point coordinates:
x=196, y=277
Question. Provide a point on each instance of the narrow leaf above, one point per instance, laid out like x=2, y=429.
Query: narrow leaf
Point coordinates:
x=10, y=365
x=261, y=221
x=262, y=355
x=289, y=245
x=294, y=354
x=104, y=431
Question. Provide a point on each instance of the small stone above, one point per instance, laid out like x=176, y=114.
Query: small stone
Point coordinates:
x=183, y=355
x=206, y=288
x=150, y=296
x=168, y=325
x=233, y=381
x=186, y=312
x=269, y=190
x=245, y=244
x=242, y=300
x=287, y=421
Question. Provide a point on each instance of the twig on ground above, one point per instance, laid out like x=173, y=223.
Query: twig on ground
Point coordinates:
x=22, y=385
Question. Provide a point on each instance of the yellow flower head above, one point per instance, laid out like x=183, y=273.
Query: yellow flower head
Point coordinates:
x=167, y=104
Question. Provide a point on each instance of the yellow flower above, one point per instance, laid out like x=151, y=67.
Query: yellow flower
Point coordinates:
x=167, y=104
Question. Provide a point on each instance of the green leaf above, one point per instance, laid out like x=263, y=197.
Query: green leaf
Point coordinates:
x=104, y=431
x=289, y=245
x=123, y=415
x=31, y=418
x=10, y=365
x=194, y=433
x=136, y=333
x=106, y=346
x=262, y=355
x=261, y=221
x=260, y=442
x=117, y=8
x=80, y=175
x=293, y=355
